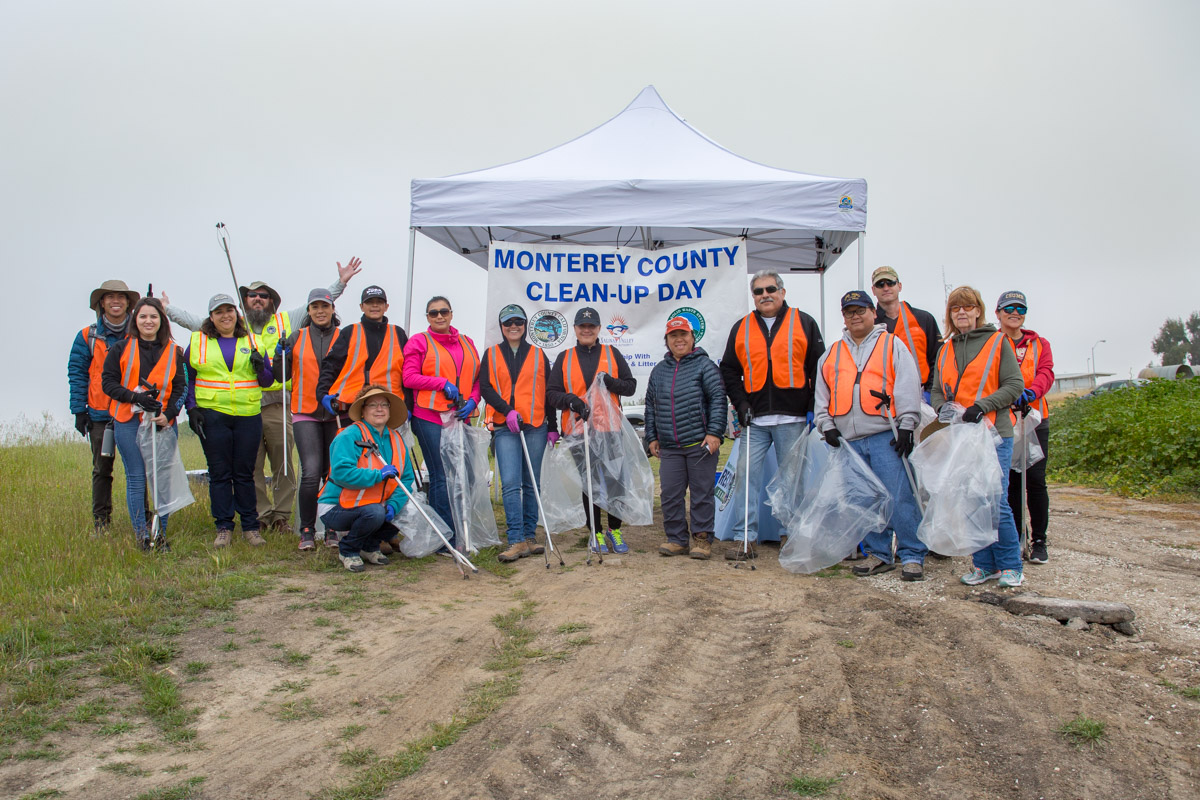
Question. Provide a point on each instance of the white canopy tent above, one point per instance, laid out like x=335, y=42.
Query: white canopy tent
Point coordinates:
x=645, y=178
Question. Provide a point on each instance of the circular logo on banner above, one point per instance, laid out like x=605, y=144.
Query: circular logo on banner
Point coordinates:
x=547, y=328
x=694, y=317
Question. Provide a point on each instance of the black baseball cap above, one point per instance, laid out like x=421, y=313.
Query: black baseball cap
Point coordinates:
x=373, y=293
x=856, y=298
x=587, y=316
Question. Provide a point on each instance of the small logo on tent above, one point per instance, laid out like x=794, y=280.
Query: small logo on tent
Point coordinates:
x=847, y=203
x=694, y=317
x=617, y=328
x=547, y=328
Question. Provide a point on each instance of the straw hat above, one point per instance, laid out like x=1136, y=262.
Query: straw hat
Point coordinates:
x=399, y=409
x=112, y=286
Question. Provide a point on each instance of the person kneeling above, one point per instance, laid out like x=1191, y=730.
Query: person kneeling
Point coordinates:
x=365, y=461
x=867, y=385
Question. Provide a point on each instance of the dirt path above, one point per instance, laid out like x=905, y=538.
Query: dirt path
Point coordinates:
x=686, y=679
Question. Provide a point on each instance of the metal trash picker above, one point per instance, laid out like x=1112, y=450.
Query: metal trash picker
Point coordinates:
x=537, y=493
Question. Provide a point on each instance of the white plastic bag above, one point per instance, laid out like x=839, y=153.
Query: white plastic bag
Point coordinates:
x=928, y=417
x=798, y=477
x=1025, y=440
x=162, y=447
x=848, y=503
x=562, y=490
x=418, y=538
x=958, y=475
x=464, y=452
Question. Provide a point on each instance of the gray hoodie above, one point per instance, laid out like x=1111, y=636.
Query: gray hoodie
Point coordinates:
x=906, y=399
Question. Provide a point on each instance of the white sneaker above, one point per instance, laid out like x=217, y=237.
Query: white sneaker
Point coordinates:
x=374, y=557
x=1011, y=578
x=352, y=563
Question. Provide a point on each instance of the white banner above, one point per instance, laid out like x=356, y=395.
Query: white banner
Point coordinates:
x=635, y=292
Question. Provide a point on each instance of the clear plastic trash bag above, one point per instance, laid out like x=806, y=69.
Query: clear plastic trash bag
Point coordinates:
x=161, y=447
x=958, y=475
x=418, y=538
x=847, y=504
x=464, y=452
x=928, y=417
x=798, y=477
x=562, y=490
x=731, y=508
x=1025, y=442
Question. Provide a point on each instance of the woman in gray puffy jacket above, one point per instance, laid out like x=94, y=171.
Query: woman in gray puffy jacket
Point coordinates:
x=685, y=419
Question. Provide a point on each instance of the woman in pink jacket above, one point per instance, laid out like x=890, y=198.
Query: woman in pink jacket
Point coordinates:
x=441, y=367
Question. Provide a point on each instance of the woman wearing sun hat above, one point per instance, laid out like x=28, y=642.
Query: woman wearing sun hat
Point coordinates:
x=365, y=460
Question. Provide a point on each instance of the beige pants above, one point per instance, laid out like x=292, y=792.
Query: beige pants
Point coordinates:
x=283, y=489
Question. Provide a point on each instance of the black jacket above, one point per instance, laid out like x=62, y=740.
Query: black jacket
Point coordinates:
x=331, y=367
x=623, y=383
x=771, y=399
x=513, y=362
x=148, y=354
x=685, y=400
x=933, y=337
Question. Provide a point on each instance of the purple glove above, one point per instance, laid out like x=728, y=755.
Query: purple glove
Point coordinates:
x=552, y=438
x=513, y=420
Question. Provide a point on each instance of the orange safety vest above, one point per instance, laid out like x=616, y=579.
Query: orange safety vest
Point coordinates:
x=385, y=369
x=914, y=337
x=161, y=376
x=785, y=358
x=574, y=383
x=842, y=376
x=1033, y=354
x=306, y=369
x=528, y=395
x=981, y=377
x=98, y=347
x=380, y=492
x=439, y=362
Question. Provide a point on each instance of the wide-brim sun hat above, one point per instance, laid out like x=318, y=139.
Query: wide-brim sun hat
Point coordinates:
x=399, y=409
x=112, y=286
x=259, y=286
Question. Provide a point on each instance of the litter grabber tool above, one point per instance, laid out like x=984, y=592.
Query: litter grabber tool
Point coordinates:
x=1024, y=530
x=157, y=540
x=746, y=501
x=537, y=493
x=593, y=543
x=885, y=404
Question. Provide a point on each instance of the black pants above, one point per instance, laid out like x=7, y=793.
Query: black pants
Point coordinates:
x=613, y=522
x=1035, y=487
x=102, y=469
x=231, y=447
x=312, y=443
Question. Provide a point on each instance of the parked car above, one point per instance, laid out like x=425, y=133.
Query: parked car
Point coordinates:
x=637, y=417
x=1112, y=386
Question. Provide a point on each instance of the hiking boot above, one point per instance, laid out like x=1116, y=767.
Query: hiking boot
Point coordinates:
x=374, y=557
x=615, y=540
x=912, y=571
x=782, y=540
x=331, y=538
x=701, y=546
x=514, y=552
x=672, y=549
x=143, y=543
x=161, y=546
x=535, y=549
x=308, y=539
x=224, y=537
x=874, y=565
x=600, y=547
x=352, y=563
x=280, y=526
x=386, y=548
x=1010, y=578
x=735, y=553
x=254, y=538
x=1038, y=554
x=977, y=576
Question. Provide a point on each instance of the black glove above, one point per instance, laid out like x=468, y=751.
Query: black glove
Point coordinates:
x=884, y=400
x=743, y=414
x=973, y=414
x=576, y=404
x=82, y=421
x=196, y=421
x=610, y=382
x=833, y=437
x=1022, y=407
x=903, y=443
x=257, y=361
x=146, y=402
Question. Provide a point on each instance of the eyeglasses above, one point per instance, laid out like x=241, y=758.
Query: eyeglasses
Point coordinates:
x=758, y=290
x=956, y=309
x=438, y=312
x=1015, y=310
x=382, y=404
x=263, y=295
x=513, y=323
x=885, y=283
x=854, y=311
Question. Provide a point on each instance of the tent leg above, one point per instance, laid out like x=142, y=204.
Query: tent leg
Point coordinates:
x=862, y=261
x=823, y=302
x=412, y=253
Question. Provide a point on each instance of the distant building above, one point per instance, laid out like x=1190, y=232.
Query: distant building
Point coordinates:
x=1072, y=382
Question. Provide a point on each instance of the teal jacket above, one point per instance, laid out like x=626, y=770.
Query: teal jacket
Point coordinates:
x=344, y=472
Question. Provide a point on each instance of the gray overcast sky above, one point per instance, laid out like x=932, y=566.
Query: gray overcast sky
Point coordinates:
x=1050, y=147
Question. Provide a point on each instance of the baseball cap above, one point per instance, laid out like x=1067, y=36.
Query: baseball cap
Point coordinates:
x=856, y=298
x=219, y=300
x=1013, y=298
x=679, y=324
x=373, y=293
x=320, y=295
x=587, y=316
x=884, y=272
x=512, y=311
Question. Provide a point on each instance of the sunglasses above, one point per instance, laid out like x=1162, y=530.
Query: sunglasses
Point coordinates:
x=956, y=309
x=885, y=283
x=758, y=290
x=513, y=323
x=1015, y=310
x=438, y=312
x=263, y=295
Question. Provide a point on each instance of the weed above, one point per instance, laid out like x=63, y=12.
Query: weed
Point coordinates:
x=180, y=791
x=579, y=641
x=1190, y=692
x=294, y=658
x=126, y=768
x=810, y=786
x=197, y=667
x=91, y=711
x=350, y=650
x=573, y=627
x=115, y=728
x=47, y=753
x=322, y=622
x=297, y=710
x=358, y=757
x=1084, y=731
x=230, y=646
x=42, y=794
x=350, y=731
x=845, y=643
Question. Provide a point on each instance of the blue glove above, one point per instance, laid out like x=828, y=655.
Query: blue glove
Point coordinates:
x=450, y=390
x=389, y=471
x=388, y=513
x=1027, y=396
x=281, y=347
x=327, y=403
x=925, y=396
x=809, y=419
x=466, y=410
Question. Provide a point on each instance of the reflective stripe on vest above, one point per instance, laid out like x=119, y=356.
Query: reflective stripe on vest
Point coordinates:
x=1033, y=354
x=98, y=348
x=982, y=376
x=230, y=391
x=439, y=363
x=914, y=337
x=162, y=376
x=270, y=336
x=528, y=395
x=380, y=492
x=784, y=359
x=385, y=369
x=306, y=369
x=842, y=377
x=574, y=383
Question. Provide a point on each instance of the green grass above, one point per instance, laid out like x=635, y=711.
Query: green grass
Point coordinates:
x=180, y=791
x=351, y=731
x=358, y=757
x=126, y=768
x=41, y=794
x=1084, y=731
x=810, y=786
x=573, y=627
x=1190, y=692
x=298, y=710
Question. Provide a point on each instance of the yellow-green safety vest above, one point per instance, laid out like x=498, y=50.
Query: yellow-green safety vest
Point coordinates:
x=278, y=326
x=235, y=392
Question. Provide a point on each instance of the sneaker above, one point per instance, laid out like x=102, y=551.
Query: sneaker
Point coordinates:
x=672, y=549
x=224, y=537
x=374, y=557
x=161, y=546
x=701, y=546
x=535, y=549
x=143, y=544
x=736, y=553
x=352, y=563
x=331, y=538
x=614, y=539
x=600, y=547
x=515, y=552
x=977, y=576
x=912, y=571
x=874, y=565
x=1011, y=578
x=1038, y=554
x=254, y=538
x=308, y=539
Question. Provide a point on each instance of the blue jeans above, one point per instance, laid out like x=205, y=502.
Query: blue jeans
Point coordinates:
x=429, y=436
x=125, y=434
x=365, y=527
x=877, y=451
x=1006, y=552
x=520, y=503
x=231, y=448
x=783, y=437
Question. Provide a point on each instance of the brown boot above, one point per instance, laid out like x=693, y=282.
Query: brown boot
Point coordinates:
x=701, y=546
x=254, y=538
x=224, y=537
x=518, y=550
x=782, y=540
x=672, y=549
x=389, y=546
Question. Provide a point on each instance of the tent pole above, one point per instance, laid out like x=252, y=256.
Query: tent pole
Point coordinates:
x=412, y=252
x=822, y=302
x=862, y=261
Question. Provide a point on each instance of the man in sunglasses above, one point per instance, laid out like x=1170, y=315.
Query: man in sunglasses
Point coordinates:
x=916, y=328
x=769, y=369
x=269, y=324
